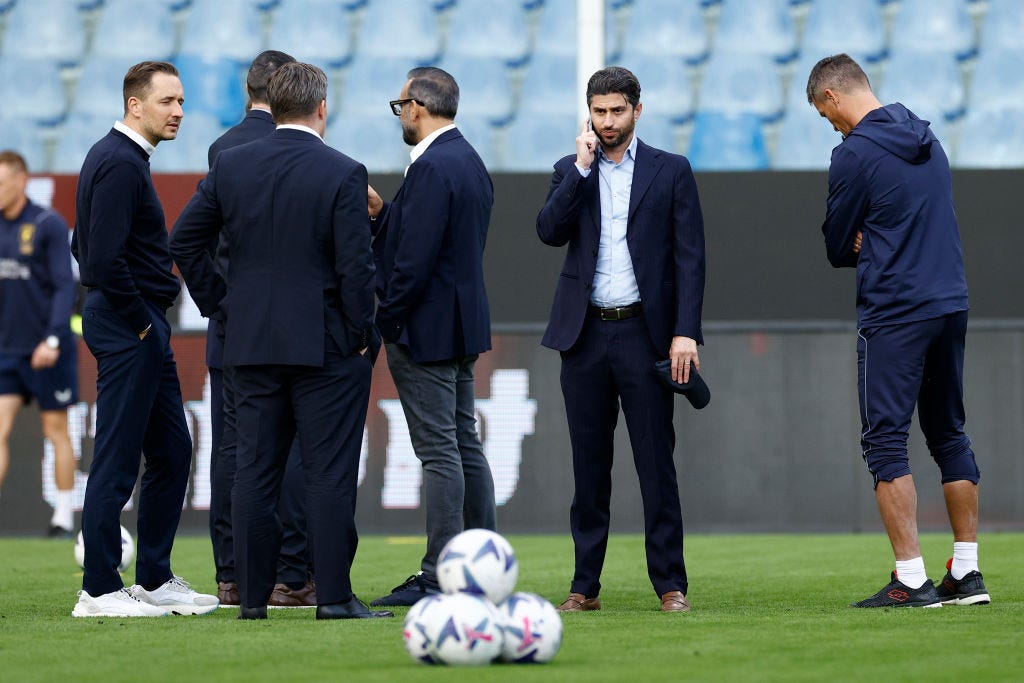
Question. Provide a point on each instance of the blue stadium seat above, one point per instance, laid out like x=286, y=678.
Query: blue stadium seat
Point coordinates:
x=928, y=83
x=998, y=81
x=935, y=24
x=727, y=142
x=314, y=31
x=213, y=85
x=549, y=87
x=397, y=28
x=533, y=144
x=665, y=88
x=99, y=91
x=805, y=140
x=223, y=28
x=188, y=152
x=374, y=140
x=666, y=28
x=484, y=28
x=45, y=29
x=991, y=139
x=796, y=95
x=756, y=26
x=480, y=133
x=485, y=90
x=26, y=138
x=1003, y=28
x=742, y=83
x=77, y=136
x=657, y=131
x=556, y=30
x=31, y=88
x=850, y=26
x=370, y=83
x=136, y=30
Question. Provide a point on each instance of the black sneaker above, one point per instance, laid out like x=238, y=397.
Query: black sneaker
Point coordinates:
x=969, y=590
x=898, y=594
x=60, y=533
x=415, y=588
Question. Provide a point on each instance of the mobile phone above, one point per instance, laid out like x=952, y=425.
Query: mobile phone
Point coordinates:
x=590, y=125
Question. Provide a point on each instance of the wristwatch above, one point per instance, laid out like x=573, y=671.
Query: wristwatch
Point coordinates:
x=53, y=342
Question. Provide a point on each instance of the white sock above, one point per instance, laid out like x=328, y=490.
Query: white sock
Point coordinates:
x=911, y=572
x=64, y=512
x=965, y=559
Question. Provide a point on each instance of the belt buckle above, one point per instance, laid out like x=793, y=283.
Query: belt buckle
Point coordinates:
x=613, y=313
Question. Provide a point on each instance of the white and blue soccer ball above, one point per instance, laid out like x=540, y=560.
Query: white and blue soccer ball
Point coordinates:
x=533, y=629
x=127, y=550
x=457, y=629
x=479, y=562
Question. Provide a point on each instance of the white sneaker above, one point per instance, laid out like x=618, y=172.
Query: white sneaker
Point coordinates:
x=120, y=603
x=177, y=597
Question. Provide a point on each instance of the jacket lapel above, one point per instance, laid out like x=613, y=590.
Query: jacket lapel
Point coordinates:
x=646, y=165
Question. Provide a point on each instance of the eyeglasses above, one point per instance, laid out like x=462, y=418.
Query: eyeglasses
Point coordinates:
x=396, y=105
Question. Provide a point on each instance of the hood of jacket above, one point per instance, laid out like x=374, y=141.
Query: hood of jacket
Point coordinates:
x=897, y=130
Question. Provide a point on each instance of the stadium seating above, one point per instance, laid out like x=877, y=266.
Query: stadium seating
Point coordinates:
x=928, y=83
x=489, y=30
x=1003, y=28
x=31, y=88
x=665, y=87
x=666, y=28
x=805, y=140
x=727, y=141
x=485, y=90
x=213, y=85
x=26, y=138
x=134, y=30
x=77, y=136
x=762, y=27
x=314, y=31
x=45, y=29
x=657, y=131
x=399, y=29
x=998, y=81
x=850, y=26
x=374, y=140
x=549, y=87
x=188, y=152
x=742, y=83
x=556, y=29
x=935, y=24
x=99, y=91
x=534, y=143
x=370, y=83
x=222, y=29
x=991, y=139
x=481, y=135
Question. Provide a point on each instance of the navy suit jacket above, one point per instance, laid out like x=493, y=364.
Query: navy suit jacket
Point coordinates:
x=664, y=233
x=293, y=212
x=255, y=125
x=429, y=251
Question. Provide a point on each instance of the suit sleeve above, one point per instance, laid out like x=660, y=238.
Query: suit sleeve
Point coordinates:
x=847, y=206
x=688, y=254
x=58, y=261
x=117, y=192
x=557, y=221
x=353, y=258
x=196, y=227
x=426, y=201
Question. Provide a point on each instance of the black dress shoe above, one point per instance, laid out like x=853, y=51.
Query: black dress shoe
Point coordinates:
x=252, y=612
x=353, y=609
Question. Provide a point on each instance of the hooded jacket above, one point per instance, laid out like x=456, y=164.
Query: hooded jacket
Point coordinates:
x=890, y=179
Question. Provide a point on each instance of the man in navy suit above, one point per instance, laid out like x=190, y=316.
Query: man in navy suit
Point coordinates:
x=298, y=305
x=433, y=312
x=294, y=587
x=630, y=294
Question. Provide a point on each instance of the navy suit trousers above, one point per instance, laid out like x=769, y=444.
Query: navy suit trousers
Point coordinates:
x=327, y=407
x=613, y=361
x=138, y=413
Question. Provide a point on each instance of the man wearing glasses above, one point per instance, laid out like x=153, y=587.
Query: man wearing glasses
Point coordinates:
x=433, y=312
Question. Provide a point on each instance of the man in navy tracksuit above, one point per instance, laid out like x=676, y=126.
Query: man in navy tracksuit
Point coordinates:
x=890, y=214
x=120, y=242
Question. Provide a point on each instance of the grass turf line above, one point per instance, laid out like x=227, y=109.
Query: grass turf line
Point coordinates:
x=766, y=608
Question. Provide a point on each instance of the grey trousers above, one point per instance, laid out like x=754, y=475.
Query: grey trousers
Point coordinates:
x=438, y=402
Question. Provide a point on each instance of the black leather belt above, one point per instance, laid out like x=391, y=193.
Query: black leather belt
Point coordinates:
x=616, y=312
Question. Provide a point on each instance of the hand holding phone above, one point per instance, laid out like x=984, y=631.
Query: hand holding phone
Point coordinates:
x=586, y=145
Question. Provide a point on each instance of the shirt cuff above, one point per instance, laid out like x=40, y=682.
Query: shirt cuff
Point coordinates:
x=585, y=172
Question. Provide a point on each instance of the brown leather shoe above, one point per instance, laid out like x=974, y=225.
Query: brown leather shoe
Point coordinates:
x=283, y=596
x=577, y=602
x=227, y=593
x=674, y=601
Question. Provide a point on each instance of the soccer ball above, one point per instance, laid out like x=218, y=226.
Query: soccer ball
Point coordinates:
x=480, y=562
x=127, y=550
x=533, y=629
x=458, y=629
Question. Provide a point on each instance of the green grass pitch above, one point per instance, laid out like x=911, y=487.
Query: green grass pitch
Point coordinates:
x=765, y=608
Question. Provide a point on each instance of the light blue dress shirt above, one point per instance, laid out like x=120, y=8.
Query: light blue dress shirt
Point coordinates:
x=614, y=281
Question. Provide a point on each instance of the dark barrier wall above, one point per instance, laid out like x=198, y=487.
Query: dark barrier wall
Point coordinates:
x=776, y=450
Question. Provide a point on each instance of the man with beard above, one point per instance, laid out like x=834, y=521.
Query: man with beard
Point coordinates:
x=630, y=294
x=433, y=312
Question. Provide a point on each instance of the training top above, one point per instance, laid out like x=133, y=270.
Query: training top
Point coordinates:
x=37, y=290
x=890, y=179
x=120, y=237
